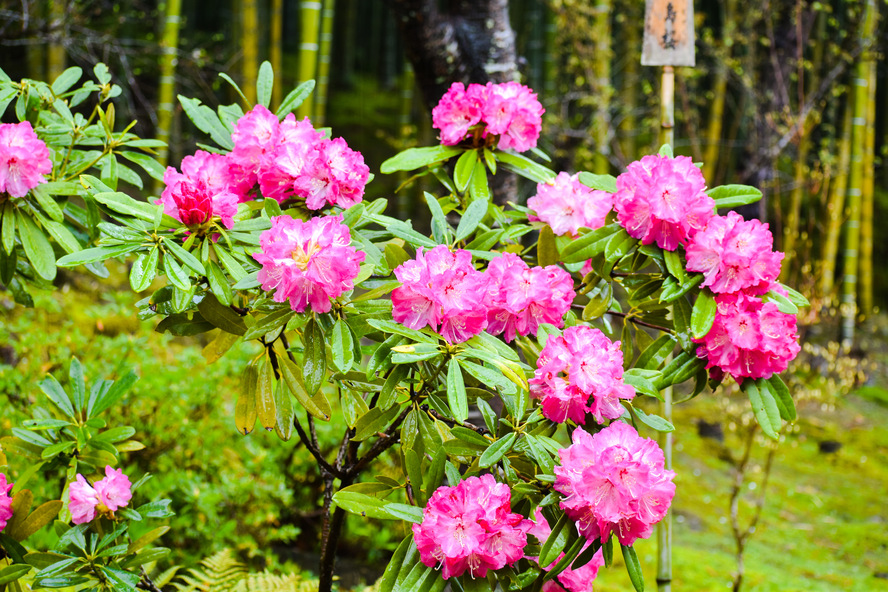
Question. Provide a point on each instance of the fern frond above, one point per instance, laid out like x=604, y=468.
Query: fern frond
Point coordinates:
x=221, y=572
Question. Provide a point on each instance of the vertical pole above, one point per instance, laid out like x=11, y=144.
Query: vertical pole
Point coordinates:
x=602, y=69
x=250, y=47
x=310, y=14
x=167, y=89
x=667, y=106
x=324, y=62
x=275, y=51
x=56, y=56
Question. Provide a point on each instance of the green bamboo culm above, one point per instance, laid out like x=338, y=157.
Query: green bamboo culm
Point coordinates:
x=325, y=51
x=867, y=197
x=55, y=55
x=855, y=183
x=719, y=92
x=166, y=90
x=275, y=50
x=407, y=133
x=250, y=48
x=835, y=209
x=632, y=16
x=310, y=15
x=601, y=28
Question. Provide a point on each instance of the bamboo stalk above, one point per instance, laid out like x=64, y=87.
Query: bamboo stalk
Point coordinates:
x=719, y=89
x=855, y=184
x=631, y=78
x=867, y=198
x=310, y=13
x=324, y=62
x=667, y=106
x=275, y=50
x=166, y=91
x=55, y=54
x=835, y=209
x=602, y=70
x=250, y=48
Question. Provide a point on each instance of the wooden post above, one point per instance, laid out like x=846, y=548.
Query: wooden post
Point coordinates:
x=668, y=42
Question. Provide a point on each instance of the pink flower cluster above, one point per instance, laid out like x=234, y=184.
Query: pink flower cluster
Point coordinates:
x=308, y=263
x=580, y=372
x=470, y=527
x=661, y=199
x=749, y=338
x=520, y=298
x=110, y=493
x=5, y=502
x=24, y=159
x=614, y=482
x=735, y=255
x=443, y=290
x=292, y=159
x=510, y=113
x=571, y=580
x=203, y=190
x=567, y=205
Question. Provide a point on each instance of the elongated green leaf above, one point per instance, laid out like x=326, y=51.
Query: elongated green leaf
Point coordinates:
x=101, y=399
x=37, y=248
x=292, y=374
x=7, y=230
x=270, y=322
x=465, y=166
x=474, y=214
x=144, y=270
x=496, y=450
x=547, y=250
x=653, y=421
x=245, y=411
x=13, y=572
x=207, y=121
x=479, y=188
x=524, y=166
x=784, y=304
x=184, y=256
x=456, y=391
x=295, y=98
x=218, y=283
x=40, y=517
x=342, y=346
x=314, y=365
x=66, y=80
x=781, y=396
x=656, y=353
x=264, y=84
x=265, y=405
x=221, y=316
x=633, y=567
x=48, y=204
x=78, y=387
x=556, y=541
x=600, y=182
x=413, y=158
x=589, y=245
x=361, y=504
x=703, y=314
x=732, y=196
x=401, y=556
x=764, y=407
x=284, y=410
x=57, y=395
x=175, y=274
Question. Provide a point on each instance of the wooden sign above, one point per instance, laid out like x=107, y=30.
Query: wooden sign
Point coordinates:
x=668, y=33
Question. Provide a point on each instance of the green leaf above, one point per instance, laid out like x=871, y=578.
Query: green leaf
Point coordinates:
x=399, y=329
x=342, y=346
x=56, y=449
x=314, y=364
x=218, y=283
x=100, y=400
x=66, y=80
x=795, y=297
x=675, y=265
x=600, y=182
x=465, y=166
x=37, y=247
x=144, y=270
x=555, y=542
x=781, y=396
x=703, y=314
x=547, y=250
x=361, y=504
x=496, y=450
x=245, y=411
x=633, y=567
x=374, y=421
x=47, y=203
x=642, y=384
x=235, y=270
x=656, y=353
x=221, y=316
x=147, y=538
x=732, y=196
x=440, y=228
x=265, y=406
x=784, y=304
x=402, y=556
x=404, y=512
x=264, y=84
x=7, y=230
x=207, y=121
x=600, y=299
x=175, y=274
x=57, y=395
x=269, y=322
x=285, y=413
x=413, y=158
x=78, y=388
x=295, y=98
x=489, y=377
x=456, y=391
x=524, y=167
x=13, y=572
x=147, y=162
x=40, y=517
x=479, y=189
x=474, y=214
x=124, y=204
x=764, y=407
x=653, y=421
x=666, y=150
x=184, y=256
x=589, y=245
x=293, y=377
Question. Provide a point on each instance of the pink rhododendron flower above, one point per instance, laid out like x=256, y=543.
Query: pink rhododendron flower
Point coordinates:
x=255, y=134
x=571, y=580
x=749, y=338
x=734, y=254
x=567, y=205
x=112, y=492
x=580, y=372
x=5, y=502
x=520, y=297
x=661, y=199
x=443, y=290
x=24, y=159
x=202, y=191
x=509, y=112
x=470, y=527
x=308, y=263
x=614, y=482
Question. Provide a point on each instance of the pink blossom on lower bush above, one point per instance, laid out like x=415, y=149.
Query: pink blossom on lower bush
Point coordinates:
x=457, y=111
x=470, y=528
x=663, y=200
x=520, y=298
x=614, y=482
x=203, y=190
x=443, y=290
x=567, y=205
x=580, y=372
x=749, y=338
x=24, y=159
x=734, y=254
x=571, y=580
x=112, y=492
x=308, y=263
x=5, y=502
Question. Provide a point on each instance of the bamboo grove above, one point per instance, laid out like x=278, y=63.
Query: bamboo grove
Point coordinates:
x=785, y=97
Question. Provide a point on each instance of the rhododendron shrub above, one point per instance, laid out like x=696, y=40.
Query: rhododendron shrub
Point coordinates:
x=468, y=355
x=24, y=159
x=5, y=501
